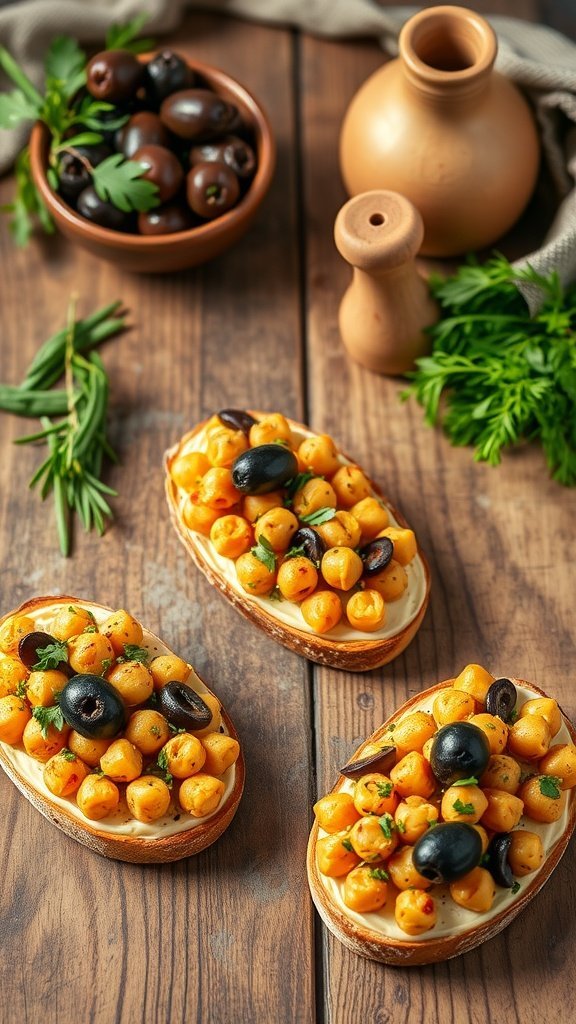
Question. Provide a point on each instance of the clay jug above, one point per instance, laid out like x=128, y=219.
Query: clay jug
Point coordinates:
x=387, y=306
x=439, y=125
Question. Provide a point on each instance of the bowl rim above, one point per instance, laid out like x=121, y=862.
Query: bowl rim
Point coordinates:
x=266, y=149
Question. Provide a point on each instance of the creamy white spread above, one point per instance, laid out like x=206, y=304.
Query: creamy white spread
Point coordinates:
x=399, y=613
x=121, y=822
x=452, y=919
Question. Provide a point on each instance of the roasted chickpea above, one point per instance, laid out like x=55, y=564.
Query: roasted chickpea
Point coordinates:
x=226, y=445
x=64, y=772
x=475, y=680
x=495, y=730
x=277, y=526
x=121, y=629
x=43, y=686
x=413, y=730
x=525, y=853
x=187, y=470
x=231, y=536
x=412, y=775
x=148, y=730
x=70, y=621
x=133, y=681
x=198, y=517
x=560, y=761
x=463, y=803
x=40, y=747
x=475, y=891
x=452, y=706
x=217, y=490
x=297, y=578
x=221, y=752
x=544, y=800
x=255, y=505
x=322, y=610
x=374, y=794
x=402, y=872
x=371, y=516
x=502, y=772
x=547, y=708
x=168, y=668
x=415, y=911
x=340, y=532
x=503, y=812
x=426, y=749
x=216, y=721
x=374, y=838
x=529, y=737
x=365, y=889
x=91, y=653
x=253, y=576
x=12, y=674
x=341, y=568
x=201, y=794
x=122, y=762
x=413, y=817
x=271, y=428
x=366, y=611
x=319, y=454
x=12, y=632
x=350, y=486
x=314, y=495
x=483, y=836
x=14, y=714
x=148, y=798
x=184, y=755
x=87, y=748
x=336, y=812
x=97, y=797
x=404, y=541
x=391, y=582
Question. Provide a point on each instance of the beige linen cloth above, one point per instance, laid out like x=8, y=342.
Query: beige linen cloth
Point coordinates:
x=538, y=59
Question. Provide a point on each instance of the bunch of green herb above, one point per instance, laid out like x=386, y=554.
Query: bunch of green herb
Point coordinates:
x=73, y=418
x=496, y=375
x=73, y=119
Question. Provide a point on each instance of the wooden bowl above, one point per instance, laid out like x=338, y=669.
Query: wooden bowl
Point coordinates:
x=63, y=813
x=474, y=928
x=354, y=655
x=159, y=254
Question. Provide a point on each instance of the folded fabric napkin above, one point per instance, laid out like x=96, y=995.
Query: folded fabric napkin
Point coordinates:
x=541, y=61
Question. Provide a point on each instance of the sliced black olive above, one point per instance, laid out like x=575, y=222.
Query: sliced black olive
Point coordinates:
x=447, y=852
x=183, y=707
x=92, y=706
x=311, y=543
x=376, y=555
x=497, y=859
x=263, y=469
x=237, y=419
x=460, y=751
x=32, y=643
x=382, y=761
x=501, y=699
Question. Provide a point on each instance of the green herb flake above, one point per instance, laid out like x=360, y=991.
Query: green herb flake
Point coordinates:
x=51, y=656
x=550, y=786
x=462, y=808
x=106, y=663
x=432, y=823
x=296, y=484
x=156, y=731
x=21, y=688
x=321, y=515
x=90, y=629
x=400, y=827
x=132, y=652
x=515, y=888
x=466, y=782
x=386, y=823
x=384, y=789
x=121, y=182
x=161, y=768
x=347, y=845
x=67, y=754
x=275, y=594
x=379, y=874
x=47, y=717
x=264, y=552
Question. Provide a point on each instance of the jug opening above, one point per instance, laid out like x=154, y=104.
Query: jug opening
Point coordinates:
x=447, y=46
x=377, y=219
x=448, y=52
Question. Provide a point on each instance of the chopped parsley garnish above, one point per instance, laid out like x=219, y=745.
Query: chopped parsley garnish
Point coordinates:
x=296, y=484
x=515, y=888
x=275, y=594
x=400, y=826
x=264, y=552
x=384, y=789
x=466, y=782
x=51, y=656
x=47, y=717
x=67, y=754
x=347, y=845
x=321, y=515
x=106, y=664
x=550, y=785
x=161, y=768
x=386, y=823
x=134, y=653
x=379, y=874
x=463, y=808
x=155, y=731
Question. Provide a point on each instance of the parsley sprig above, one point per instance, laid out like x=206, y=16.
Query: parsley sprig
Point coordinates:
x=51, y=656
x=497, y=375
x=321, y=515
x=47, y=717
x=550, y=786
x=132, y=652
x=265, y=553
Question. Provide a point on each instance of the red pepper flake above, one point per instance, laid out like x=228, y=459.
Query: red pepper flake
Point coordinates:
x=428, y=907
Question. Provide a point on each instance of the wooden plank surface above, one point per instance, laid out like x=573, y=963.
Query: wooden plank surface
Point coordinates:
x=229, y=936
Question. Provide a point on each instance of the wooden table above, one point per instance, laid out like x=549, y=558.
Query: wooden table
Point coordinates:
x=231, y=936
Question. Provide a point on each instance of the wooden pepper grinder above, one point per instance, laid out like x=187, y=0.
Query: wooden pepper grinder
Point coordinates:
x=388, y=304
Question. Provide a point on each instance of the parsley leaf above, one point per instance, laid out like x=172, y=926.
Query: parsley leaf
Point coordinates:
x=123, y=37
x=15, y=107
x=295, y=484
x=297, y=551
x=47, y=717
x=466, y=782
x=384, y=789
x=550, y=785
x=65, y=66
x=264, y=552
x=134, y=653
x=275, y=594
x=67, y=754
x=379, y=874
x=120, y=182
x=463, y=808
x=515, y=888
x=161, y=768
x=321, y=515
x=347, y=845
x=386, y=823
x=51, y=656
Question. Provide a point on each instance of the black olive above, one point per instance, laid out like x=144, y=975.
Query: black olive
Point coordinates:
x=376, y=555
x=113, y=75
x=211, y=189
x=381, y=761
x=92, y=706
x=100, y=212
x=311, y=543
x=263, y=469
x=460, y=750
x=183, y=707
x=230, y=150
x=447, y=852
x=166, y=73
x=163, y=169
x=143, y=129
x=198, y=114
x=32, y=643
x=237, y=419
x=501, y=699
x=497, y=859
x=73, y=174
x=165, y=220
